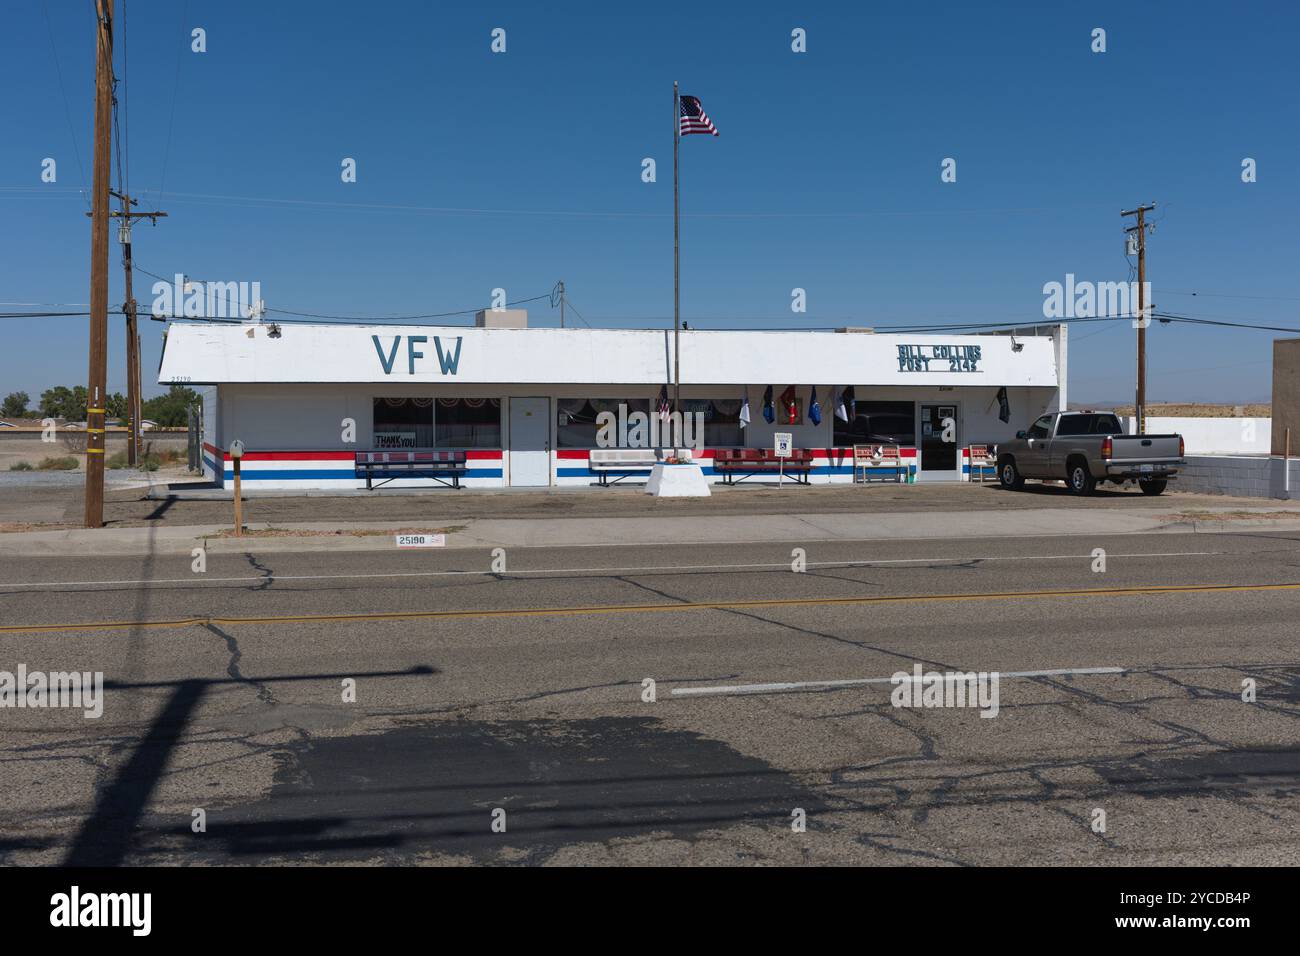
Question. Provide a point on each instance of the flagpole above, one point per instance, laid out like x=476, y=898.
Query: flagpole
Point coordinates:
x=677, y=323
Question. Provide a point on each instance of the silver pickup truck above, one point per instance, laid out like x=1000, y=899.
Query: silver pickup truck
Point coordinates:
x=1084, y=449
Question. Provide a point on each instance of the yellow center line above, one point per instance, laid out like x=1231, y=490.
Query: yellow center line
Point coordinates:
x=644, y=608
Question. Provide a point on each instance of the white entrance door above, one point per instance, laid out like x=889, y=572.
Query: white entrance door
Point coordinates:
x=530, y=442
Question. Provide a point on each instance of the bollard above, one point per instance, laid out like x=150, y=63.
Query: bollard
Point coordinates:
x=236, y=453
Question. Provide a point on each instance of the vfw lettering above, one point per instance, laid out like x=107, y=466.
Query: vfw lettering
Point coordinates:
x=448, y=360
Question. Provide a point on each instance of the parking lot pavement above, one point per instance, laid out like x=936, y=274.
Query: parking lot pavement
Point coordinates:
x=524, y=690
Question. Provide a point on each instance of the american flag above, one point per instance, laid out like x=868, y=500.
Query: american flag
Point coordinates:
x=664, y=408
x=692, y=118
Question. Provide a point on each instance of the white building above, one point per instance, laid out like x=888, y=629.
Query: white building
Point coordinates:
x=523, y=401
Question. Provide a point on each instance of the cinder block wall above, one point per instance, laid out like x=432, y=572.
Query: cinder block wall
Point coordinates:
x=1249, y=477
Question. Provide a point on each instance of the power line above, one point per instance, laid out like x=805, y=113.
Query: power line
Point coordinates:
x=246, y=201
x=1168, y=317
x=176, y=85
x=126, y=113
x=355, y=318
x=432, y=315
x=67, y=112
x=46, y=315
x=50, y=305
x=580, y=316
x=1101, y=331
x=1164, y=318
x=1226, y=295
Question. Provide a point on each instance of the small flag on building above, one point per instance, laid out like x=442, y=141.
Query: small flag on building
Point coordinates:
x=850, y=399
x=840, y=411
x=788, y=404
x=814, y=408
x=663, y=407
x=692, y=118
x=744, y=409
x=769, y=414
x=1004, y=407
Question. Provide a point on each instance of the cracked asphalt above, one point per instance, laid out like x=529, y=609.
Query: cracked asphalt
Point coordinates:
x=519, y=698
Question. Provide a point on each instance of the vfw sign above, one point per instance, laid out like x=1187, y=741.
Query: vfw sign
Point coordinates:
x=448, y=360
x=946, y=358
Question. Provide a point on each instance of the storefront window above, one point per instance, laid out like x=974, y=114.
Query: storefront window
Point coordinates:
x=403, y=423
x=469, y=423
x=721, y=420
x=877, y=423
x=576, y=425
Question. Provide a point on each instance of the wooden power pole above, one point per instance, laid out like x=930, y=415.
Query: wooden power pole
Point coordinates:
x=132, y=335
x=1140, y=231
x=95, y=397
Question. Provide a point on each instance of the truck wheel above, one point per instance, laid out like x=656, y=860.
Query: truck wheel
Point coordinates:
x=1009, y=475
x=1152, y=486
x=1079, y=479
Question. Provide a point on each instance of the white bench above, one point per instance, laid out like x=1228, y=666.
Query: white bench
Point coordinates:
x=870, y=458
x=625, y=462
x=983, y=461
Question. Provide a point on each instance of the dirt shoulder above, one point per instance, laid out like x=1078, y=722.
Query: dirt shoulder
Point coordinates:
x=57, y=502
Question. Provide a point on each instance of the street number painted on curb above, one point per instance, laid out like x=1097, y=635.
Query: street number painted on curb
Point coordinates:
x=421, y=540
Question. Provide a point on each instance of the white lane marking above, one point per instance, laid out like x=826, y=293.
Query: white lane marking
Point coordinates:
x=200, y=579
x=815, y=684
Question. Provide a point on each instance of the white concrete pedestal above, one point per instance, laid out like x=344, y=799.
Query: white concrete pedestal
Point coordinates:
x=677, y=481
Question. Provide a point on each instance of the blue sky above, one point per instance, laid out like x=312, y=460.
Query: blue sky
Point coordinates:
x=478, y=170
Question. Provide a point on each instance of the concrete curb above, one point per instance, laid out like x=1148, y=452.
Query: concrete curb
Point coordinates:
x=736, y=530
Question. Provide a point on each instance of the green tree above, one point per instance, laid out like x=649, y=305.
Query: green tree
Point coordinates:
x=116, y=406
x=15, y=405
x=54, y=400
x=172, y=409
x=63, y=402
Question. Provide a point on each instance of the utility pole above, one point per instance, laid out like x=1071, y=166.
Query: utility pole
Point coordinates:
x=1140, y=403
x=677, y=323
x=97, y=383
x=561, y=303
x=132, y=337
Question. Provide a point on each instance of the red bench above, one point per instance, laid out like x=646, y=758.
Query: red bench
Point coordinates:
x=437, y=465
x=737, y=464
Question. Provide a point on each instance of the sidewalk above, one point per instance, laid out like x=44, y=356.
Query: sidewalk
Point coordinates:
x=663, y=530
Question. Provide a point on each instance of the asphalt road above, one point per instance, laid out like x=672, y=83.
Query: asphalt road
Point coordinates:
x=522, y=691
